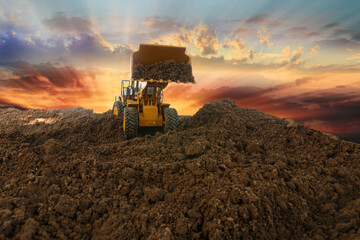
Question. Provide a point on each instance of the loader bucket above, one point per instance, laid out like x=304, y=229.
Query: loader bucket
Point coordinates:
x=149, y=54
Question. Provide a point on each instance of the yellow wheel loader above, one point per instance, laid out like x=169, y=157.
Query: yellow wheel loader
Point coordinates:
x=141, y=100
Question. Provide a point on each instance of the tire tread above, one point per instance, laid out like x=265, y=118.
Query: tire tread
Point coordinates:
x=172, y=119
x=131, y=118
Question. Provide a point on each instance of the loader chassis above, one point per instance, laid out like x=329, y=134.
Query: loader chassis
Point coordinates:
x=149, y=105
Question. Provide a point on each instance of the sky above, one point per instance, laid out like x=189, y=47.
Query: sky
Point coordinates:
x=296, y=59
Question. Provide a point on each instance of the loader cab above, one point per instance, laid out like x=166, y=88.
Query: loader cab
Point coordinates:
x=150, y=91
x=129, y=89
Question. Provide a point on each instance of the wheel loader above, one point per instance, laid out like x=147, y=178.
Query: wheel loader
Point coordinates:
x=141, y=100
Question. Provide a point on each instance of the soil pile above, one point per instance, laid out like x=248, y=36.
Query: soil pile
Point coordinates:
x=227, y=172
x=169, y=70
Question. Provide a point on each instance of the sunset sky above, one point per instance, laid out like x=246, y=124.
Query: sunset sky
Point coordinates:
x=296, y=59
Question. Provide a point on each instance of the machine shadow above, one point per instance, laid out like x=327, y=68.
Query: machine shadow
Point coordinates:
x=143, y=131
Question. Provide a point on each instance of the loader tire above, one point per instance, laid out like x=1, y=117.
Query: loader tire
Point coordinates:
x=130, y=122
x=118, y=108
x=171, y=119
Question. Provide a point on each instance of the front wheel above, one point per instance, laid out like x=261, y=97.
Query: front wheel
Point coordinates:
x=130, y=122
x=171, y=119
x=118, y=108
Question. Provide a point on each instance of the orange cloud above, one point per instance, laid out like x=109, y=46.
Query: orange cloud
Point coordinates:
x=206, y=40
x=264, y=37
x=355, y=57
x=182, y=38
x=6, y=104
x=237, y=44
x=315, y=50
x=286, y=51
x=38, y=85
x=251, y=53
x=296, y=54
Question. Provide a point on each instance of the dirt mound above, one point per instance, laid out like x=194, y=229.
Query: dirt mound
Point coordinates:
x=169, y=70
x=227, y=172
x=69, y=125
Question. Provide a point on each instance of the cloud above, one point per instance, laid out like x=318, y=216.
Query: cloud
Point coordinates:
x=205, y=95
x=286, y=51
x=298, y=29
x=331, y=25
x=82, y=37
x=351, y=137
x=237, y=44
x=160, y=41
x=8, y=104
x=13, y=47
x=123, y=49
x=340, y=43
x=313, y=34
x=72, y=38
x=301, y=81
x=92, y=44
x=160, y=22
x=14, y=23
x=182, y=38
x=63, y=23
x=48, y=86
x=263, y=19
x=240, y=31
x=328, y=98
x=43, y=78
x=355, y=57
x=251, y=53
x=260, y=18
x=264, y=37
x=299, y=32
x=339, y=113
x=283, y=63
x=270, y=62
x=226, y=42
x=206, y=40
x=201, y=36
x=355, y=36
x=296, y=54
x=315, y=50
x=237, y=47
x=298, y=82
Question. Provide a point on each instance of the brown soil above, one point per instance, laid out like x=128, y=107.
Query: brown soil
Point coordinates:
x=226, y=173
x=169, y=70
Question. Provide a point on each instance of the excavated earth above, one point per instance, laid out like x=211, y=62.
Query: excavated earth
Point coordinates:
x=169, y=70
x=226, y=173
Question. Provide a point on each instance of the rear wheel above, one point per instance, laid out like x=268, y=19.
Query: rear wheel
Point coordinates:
x=171, y=119
x=118, y=108
x=130, y=122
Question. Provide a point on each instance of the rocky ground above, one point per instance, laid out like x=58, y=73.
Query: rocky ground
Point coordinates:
x=225, y=173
